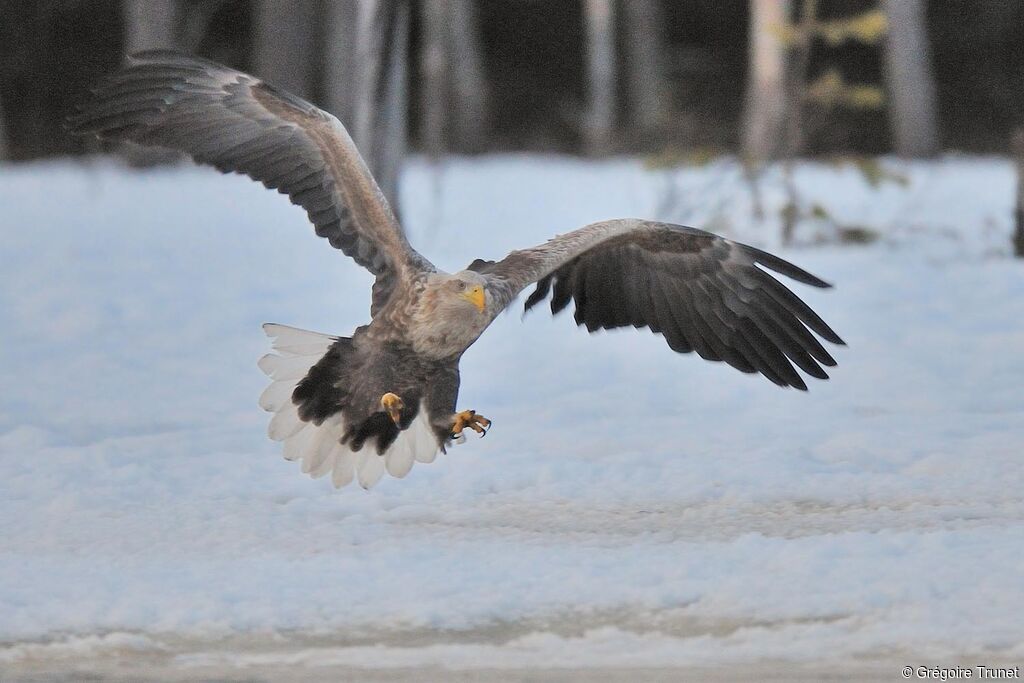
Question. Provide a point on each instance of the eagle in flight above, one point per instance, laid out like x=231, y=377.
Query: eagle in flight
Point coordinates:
x=385, y=397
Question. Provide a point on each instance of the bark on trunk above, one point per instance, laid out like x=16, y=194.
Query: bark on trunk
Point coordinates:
x=911, y=83
x=764, y=125
x=366, y=81
x=150, y=24
x=643, y=63
x=434, y=76
x=454, y=94
x=469, y=84
x=600, y=121
x=391, y=130
x=195, y=22
x=3, y=133
x=341, y=68
x=1018, y=233
x=371, y=31
x=795, y=80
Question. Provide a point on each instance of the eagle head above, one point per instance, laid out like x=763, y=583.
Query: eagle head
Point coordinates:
x=459, y=295
x=451, y=314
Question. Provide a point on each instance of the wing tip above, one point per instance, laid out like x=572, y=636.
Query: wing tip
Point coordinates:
x=784, y=267
x=796, y=381
x=829, y=335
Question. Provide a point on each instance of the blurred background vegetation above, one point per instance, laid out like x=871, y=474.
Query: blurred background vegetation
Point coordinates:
x=766, y=78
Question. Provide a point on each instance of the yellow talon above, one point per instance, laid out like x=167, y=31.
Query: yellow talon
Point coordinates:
x=392, y=405
x=469, y=418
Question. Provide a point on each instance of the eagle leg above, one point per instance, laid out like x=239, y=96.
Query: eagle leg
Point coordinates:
x=392, y=405
x=469, y=418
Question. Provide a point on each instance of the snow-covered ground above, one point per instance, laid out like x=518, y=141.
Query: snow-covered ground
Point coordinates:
x=630, y=508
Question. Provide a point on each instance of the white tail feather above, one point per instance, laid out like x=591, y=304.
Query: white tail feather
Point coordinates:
x=284, y=336
x=326, y=439
x=343, y=469
x=319, y=447
x=276, y=396
x=285, y=423
x=301, y=349
x=371, y=467
x=296, y=446
x=326, y=466
x=401, y=458
x=280, y=368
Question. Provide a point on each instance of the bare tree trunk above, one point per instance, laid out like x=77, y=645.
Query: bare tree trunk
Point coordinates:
x=366, y=82
x=910, y=79
x=795, y=82
x=764, y=126
x=284, y=44
x=776, y=89
x=1018, y=233
x=391, y=131
x=647, y=88
x=434, y=74
x=176, y=24
x=195, y=22
x=341, y=68
x=794, y=135
x=371, y=33
x=150, y=24
x=3, y=133
x=469, y=84
x=372, y=45
x=454, y=93
x=599, y=16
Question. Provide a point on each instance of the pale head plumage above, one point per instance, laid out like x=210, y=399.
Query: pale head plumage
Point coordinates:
x=452, y=311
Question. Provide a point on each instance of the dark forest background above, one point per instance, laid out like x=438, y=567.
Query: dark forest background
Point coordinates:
x=574, y=76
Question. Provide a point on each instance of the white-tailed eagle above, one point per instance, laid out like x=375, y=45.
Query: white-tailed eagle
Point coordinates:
x=384, y=398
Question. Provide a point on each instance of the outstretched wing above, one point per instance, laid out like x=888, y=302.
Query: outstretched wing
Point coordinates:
x=239, y=124
x=702, y=292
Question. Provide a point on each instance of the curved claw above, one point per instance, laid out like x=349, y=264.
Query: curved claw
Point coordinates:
x=469, y=418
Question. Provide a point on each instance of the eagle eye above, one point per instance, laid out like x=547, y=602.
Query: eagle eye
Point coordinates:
x=460, y=285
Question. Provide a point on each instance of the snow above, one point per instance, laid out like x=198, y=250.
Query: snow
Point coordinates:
x=630, y=507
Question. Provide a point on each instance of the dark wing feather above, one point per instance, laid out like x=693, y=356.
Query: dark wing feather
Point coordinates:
x=237, y=123
x=702, y=292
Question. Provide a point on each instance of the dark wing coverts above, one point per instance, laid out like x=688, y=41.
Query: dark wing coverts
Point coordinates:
x=237, y=123
x=702, y=292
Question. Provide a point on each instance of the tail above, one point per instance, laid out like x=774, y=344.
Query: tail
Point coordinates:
x=318, y=443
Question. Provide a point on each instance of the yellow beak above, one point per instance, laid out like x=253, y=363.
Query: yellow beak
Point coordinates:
x=475, y=295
